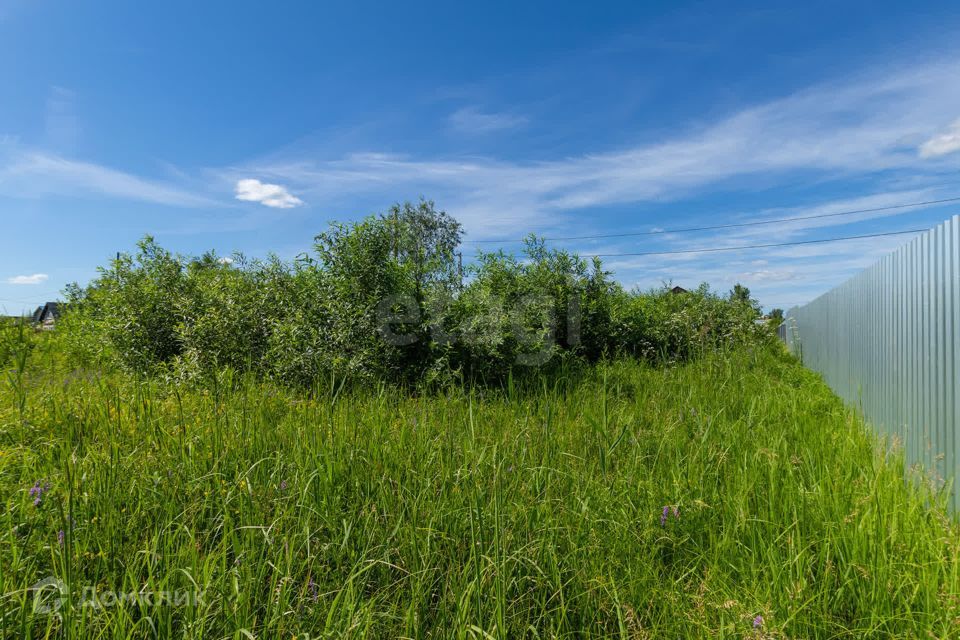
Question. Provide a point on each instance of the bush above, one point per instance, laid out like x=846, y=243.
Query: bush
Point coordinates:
x=661, y=324
x=385, y=299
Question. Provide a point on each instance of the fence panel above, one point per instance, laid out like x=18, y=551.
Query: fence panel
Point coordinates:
x=886, y=341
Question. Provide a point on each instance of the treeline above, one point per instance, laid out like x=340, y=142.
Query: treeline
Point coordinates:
x=385, y=298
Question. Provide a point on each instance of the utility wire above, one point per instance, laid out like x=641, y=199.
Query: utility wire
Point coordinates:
x=751, y=246
x=734, y=224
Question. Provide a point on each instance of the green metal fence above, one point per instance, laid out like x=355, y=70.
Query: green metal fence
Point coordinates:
x=887, y=341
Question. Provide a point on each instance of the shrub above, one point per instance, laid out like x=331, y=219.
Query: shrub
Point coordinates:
x=661, y=324
x=385, y=299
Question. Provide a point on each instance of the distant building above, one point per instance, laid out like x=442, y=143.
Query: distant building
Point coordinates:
x=678, y=290
x=45, y=317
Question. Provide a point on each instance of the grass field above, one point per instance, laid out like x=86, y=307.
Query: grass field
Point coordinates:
x=731, y=497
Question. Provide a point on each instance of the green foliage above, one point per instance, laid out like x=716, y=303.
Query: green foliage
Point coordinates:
x=137, y=304
x=10, y=330
x=741, y=295
x=533, y=312
x=385, y=299
x=676, y=326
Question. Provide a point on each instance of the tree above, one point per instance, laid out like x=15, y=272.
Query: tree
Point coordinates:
x=425, y=242
x=741, y=295
x=382, y=280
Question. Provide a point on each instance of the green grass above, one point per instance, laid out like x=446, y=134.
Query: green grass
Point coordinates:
x=524, y=512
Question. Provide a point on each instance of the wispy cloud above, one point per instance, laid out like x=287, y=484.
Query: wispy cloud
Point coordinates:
x=778, y=276
x=30, y=174
x=795, y=274
x=866, y=125
x=835, y=212
x=868, y=130
x=472, y=120
x=36, y=278
x=942, y=144
x=269, y=195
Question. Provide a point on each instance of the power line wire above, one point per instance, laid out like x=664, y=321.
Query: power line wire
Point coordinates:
x=734, y=224
x=751, y=246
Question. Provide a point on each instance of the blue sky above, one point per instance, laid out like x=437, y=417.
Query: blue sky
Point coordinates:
x=248, y=126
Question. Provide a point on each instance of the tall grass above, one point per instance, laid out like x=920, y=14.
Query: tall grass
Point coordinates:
x=535, y=510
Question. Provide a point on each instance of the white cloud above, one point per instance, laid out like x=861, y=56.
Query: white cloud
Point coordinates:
x=36, y=278
x=787, y=275
x=34, y=174
x=941, y=145
x=270, y=195
x=778, y=276
x=472, y=120
x=850, y=128
x=769, y=275
x=865, y=129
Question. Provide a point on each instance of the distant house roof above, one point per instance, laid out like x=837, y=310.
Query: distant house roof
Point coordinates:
x=37, y=313
x=49, y=312
x=678, y=290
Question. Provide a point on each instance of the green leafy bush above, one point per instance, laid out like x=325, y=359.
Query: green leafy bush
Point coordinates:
x=385, y=298
x=662, y=324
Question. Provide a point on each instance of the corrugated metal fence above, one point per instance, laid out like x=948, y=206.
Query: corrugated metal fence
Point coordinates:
x=888, y=341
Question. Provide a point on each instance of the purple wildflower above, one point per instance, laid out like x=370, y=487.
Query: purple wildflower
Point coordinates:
x=312, y=589
x=758, y=622
x=283, y=485
x=676, y=512
x=37, y=490
x=663, y=516
x=60, y=537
